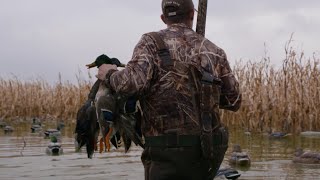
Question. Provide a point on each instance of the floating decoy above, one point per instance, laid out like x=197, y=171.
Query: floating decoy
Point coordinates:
x=36, y=125
x=60, y=125
x=35, y=128
x=54, y=148
x=36, y=121
x=52, y=132
x=228, y=173
x=238, y=157
x=8, y=129
x=310, y=134
x=278, y=135
x=2, y=124
x=306, y=157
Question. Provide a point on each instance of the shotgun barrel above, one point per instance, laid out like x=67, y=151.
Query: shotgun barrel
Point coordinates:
x=202, y=15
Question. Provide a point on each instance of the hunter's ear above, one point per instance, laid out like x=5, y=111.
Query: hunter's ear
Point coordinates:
x=163, y=19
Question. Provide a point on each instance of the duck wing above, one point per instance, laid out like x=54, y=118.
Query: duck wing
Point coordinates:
x=87, y=128
x=127, y=127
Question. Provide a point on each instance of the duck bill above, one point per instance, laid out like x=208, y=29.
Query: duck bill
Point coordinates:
x=91, y=65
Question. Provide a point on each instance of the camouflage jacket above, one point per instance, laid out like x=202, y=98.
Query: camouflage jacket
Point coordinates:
x=167, y=100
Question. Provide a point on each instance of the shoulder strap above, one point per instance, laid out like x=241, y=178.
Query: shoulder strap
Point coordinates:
x=162, y=49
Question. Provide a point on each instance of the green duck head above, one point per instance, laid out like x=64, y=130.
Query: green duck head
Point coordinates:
x=104, y=59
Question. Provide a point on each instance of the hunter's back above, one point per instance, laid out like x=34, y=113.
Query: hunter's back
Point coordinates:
x=171, y=104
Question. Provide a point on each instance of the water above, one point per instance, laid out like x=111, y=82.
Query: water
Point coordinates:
x=271, y=158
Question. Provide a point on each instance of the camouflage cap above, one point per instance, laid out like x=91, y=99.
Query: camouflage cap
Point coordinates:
x=172, y=8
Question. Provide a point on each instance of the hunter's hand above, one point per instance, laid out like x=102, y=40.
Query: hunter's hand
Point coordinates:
x=104, y=69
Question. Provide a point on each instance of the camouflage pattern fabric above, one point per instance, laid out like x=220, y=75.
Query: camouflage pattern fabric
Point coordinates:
x=166, y=94
x=161, y=163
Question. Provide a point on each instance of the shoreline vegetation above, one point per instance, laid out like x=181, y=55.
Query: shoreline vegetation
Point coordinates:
x=282, y=99
x=23, y=100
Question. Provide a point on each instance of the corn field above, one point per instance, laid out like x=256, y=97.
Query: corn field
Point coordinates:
x=282, y=98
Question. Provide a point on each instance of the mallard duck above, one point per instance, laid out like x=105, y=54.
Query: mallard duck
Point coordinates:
x=227, y=173
x=54, y=148
x=87, y=128
x=104, y=59
x=106, y=128
x=306, y=157
x=238, y=157
x=113, y=124
x=8, y=129
x=126, y=122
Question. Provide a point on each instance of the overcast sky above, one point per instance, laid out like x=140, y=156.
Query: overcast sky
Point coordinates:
x=40, y=38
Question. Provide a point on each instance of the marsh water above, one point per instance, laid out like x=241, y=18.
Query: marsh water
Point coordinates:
x=22, y=156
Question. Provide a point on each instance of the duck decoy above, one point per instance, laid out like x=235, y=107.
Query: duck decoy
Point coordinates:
x=36, y=125
x=306, y=157
x=238, y=157
x=278, y=135
x=310, y=134
x=35, y=128
x=8, y=129
x=36, y=121
x=52, y=132
x=60, y=125
x=2, y=123
x=54, y=148
x=228, y=173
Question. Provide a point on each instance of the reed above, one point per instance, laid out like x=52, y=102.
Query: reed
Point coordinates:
x=278, y=99
x=284, y=98
x=37, y=98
